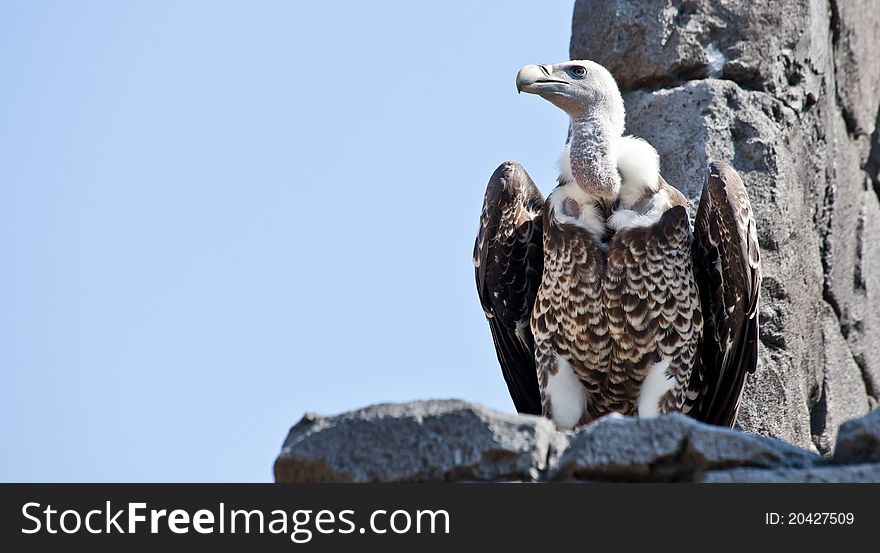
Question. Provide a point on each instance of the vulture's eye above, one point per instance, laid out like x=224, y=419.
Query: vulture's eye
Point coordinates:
x=578, y=70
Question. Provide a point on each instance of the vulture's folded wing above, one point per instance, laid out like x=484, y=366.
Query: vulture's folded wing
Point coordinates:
x=728, y=272
x=508, y=261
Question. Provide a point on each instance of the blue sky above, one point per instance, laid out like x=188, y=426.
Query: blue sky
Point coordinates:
x=215, y=216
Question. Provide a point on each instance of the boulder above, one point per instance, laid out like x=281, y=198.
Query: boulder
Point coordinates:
x=859, y=440
x=421, y=441
x=667, y=448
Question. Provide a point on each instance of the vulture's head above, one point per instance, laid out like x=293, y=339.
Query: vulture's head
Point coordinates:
x=578, y=87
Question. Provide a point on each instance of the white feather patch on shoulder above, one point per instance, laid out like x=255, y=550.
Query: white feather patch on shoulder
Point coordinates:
x=639, y=167
x=628, y=218
x=589, y=218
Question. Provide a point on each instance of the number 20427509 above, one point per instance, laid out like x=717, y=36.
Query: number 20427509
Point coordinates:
x=829, y=519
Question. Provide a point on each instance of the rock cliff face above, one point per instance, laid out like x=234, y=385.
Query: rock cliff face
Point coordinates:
x=788, y=92
x=446, y=441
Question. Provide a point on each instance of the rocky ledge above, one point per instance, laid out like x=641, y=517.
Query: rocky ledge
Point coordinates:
x=450, y=440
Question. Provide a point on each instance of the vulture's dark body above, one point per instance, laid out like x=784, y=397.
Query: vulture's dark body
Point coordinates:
x=612, y=307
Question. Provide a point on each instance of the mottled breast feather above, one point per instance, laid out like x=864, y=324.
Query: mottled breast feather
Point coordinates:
x=653, y=308
x=569, y=317
x=612, y=308
x=727, y=270
x=508, y=262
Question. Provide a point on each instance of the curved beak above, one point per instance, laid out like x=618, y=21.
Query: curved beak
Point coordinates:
x=534, y=78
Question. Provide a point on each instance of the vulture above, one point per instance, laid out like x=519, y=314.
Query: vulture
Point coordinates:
x=604, y=297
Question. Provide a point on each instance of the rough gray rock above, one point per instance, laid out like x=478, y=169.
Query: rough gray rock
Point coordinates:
x=421, y=441
x=788, y=92
x=854, y=33
x=722, y=121
x=668, y=448
x=843, y=395
x=458, y=441
x=859, y=440
x=764, y=45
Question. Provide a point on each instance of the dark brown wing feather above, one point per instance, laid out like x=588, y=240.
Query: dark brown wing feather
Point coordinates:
x=728, y=272
x=508, y=262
